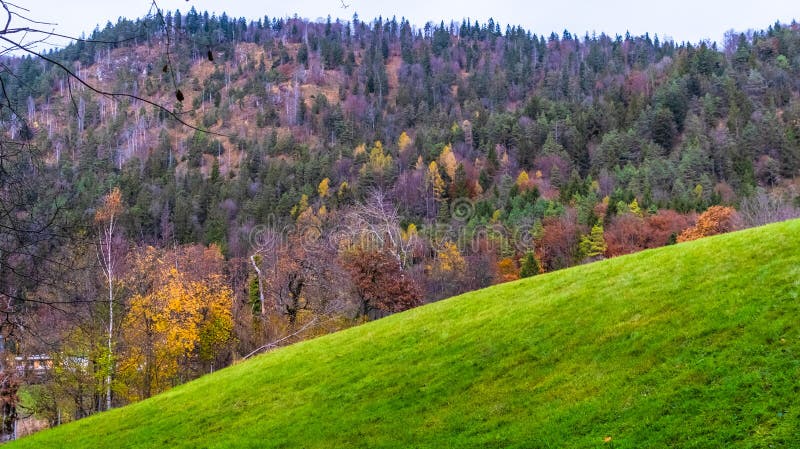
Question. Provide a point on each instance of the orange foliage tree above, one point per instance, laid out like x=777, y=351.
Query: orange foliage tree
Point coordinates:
x=507, y=270
x=715, y=220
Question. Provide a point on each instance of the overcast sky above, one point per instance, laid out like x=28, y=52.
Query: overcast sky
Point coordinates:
x=681, y=20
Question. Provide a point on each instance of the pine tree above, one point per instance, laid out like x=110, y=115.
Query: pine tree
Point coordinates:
x=529, y=266
x=594, y=244
x=634, y=208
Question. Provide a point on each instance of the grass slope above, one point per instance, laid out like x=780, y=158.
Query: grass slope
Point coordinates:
x=694, y=345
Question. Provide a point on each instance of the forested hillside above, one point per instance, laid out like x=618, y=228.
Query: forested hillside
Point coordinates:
x=694, y=345
x=460, y=111
x=327, y=174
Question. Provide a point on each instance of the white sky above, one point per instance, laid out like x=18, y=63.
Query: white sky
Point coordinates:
x=681, y=20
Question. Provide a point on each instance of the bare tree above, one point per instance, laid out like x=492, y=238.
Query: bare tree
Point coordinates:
x=379, y=221
x=762, y=208
x=106, y=218
x=254, y=259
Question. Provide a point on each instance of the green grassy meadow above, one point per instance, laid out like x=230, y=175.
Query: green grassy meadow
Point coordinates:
x=692, y=345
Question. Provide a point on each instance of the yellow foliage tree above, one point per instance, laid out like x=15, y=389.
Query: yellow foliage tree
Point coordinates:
x=434, y=181
x=361, y=149
x=507, y=270
x=177, y=322
x=324, y=187
x=448, y=161
x=450, y=259
x=403, y=141
x=378, y=163
x=523, y=181
x=634, y=208
x=698, y=192
x=343, y=188
x=111, y=208
x=409, y=233
x=309, y=223
x=300, y=207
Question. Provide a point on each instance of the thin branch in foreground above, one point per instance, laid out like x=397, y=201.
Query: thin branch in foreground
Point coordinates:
x=72, y=74
x=274, y=344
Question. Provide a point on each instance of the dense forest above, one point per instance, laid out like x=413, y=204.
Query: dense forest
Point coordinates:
x=324, y=174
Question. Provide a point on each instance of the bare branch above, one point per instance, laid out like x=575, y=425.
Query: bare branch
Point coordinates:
x=72, y=74
x=276, y=343
x=8, y=21
x=65, y=36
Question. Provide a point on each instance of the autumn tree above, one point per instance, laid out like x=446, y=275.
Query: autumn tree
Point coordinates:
x=379, y=165
x=288, y=280
x=628, y=233
x=380, y=286
x=178, y=321
x=448, y=162
x=507, y=270
x=324, y=188
x=447, y=271
x=434, y=188
x=715, y=220
x=523, y=181
x=297, y=273
x=634, y=208
x=376, y=223
x=664, y=226
x=403, y=142
x=559, y=241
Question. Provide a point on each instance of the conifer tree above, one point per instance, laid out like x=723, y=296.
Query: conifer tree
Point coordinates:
x=529, y=266
x=594, y=244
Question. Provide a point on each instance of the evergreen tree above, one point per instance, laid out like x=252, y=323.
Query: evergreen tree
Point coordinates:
x=529, y=266
x=594, y=244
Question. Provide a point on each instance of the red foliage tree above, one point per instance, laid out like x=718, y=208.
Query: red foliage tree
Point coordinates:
x=559, y=241
x=628, y=233
x=380, y=284
x=625, y=234
x=665, y=226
